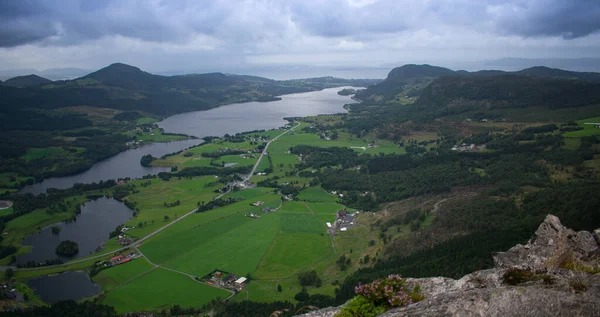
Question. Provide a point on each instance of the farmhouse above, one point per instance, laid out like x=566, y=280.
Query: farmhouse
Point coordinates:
x=119, y=259
x=240, y=281
x=258, y=203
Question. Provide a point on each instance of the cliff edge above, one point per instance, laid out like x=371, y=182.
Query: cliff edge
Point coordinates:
x=555, y=274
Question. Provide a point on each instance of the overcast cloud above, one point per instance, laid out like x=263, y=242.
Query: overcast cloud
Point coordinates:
x=183, y=34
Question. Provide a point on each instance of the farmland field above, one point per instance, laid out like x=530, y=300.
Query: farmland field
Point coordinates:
x=588, y=129
x=151, y=201
x=160, y=289
x=111, y=277
x=291, y=252
x=301, y=223
x=234, y=244
x=316, y=193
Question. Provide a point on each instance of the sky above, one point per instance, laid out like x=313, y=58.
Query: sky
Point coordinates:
x=187, y=36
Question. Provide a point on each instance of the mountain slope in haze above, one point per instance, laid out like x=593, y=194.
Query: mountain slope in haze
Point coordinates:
x=27, y=81
x=454, y=95
x=411, y=79
x=399, y=77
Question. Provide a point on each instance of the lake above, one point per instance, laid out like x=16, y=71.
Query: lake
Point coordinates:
x=229, y=119
x=97, y=219
x=73, y=285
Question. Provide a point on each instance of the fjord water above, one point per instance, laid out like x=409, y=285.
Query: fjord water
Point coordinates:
x=241, y=117
x=229, y=119
x=97, y=219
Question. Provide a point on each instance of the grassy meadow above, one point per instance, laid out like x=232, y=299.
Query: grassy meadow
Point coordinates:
x=114, y=276
x=161, y=289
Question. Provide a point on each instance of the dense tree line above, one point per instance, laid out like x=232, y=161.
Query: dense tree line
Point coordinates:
x=318, y=157
x=215, y=203
x=67, y=309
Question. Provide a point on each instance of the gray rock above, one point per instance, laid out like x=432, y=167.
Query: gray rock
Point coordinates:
x=564, y=292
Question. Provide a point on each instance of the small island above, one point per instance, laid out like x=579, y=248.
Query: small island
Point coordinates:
x=146, y=160
x=347, y=92
x=67, y=248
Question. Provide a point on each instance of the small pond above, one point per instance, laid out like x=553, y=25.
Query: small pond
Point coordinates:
x=73, y=285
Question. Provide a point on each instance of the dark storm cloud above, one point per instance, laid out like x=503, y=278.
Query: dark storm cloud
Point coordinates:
x=21, y=23
x=566, y=18
x=70, y=22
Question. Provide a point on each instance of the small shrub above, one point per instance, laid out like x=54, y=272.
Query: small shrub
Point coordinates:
x=548, y=279
x=389, y=292
x=514, y=276
x=578, y=285
x=360, y=306
x=302, y=295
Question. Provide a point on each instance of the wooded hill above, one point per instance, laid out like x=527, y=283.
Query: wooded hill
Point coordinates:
x=26, y=81
x=403, y=79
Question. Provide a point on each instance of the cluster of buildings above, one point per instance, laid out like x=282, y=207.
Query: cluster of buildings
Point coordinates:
x=226, y=280
x=258, y=203
x=468, y=147
x=123, y=239
x=119, y=259
x=344, y=219
x=337, y=194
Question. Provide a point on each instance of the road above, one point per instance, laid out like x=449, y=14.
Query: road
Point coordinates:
x=264, y=151
x=157, y=231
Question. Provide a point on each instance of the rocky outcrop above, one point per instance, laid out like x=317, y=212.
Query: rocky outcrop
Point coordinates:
x=554, y=274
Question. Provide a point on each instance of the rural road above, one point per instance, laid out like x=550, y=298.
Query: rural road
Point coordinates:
x=264, y=151
x=157, y=231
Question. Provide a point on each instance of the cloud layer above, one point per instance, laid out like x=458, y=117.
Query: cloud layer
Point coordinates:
x=252, y=29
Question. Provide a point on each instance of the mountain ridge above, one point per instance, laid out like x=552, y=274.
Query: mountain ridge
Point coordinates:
x=27, y=81
x=424, y=74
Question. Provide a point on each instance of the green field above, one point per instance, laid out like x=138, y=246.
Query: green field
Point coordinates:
x=301, y=223
x=222, y=238
x=295, y=206
x=114, y=276
x=156, y=136
x=161, y=289
x=145, y=120
x=7, y=211
x=151, y=199
x=316, y=193
x=291, y=252
x=588, y=129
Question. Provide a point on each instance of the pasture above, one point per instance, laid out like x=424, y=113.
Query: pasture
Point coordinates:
x=316, y=193
x=220, y=238
x=292, y=252
x=588, y=129
x=114, y=276
x=150, y=200
x=161, y=289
